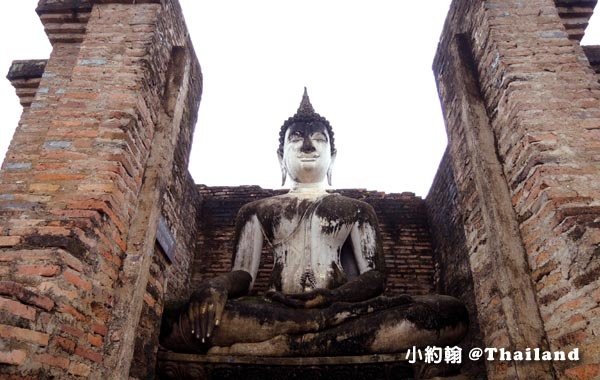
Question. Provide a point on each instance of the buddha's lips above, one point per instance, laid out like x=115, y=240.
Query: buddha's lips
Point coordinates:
x=308, y=158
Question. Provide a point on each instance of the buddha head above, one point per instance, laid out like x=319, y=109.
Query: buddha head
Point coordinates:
x=306, y=146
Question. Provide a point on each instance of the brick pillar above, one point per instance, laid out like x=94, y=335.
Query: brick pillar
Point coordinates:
x=81, y=185
x=541, y=103
x=25, y=77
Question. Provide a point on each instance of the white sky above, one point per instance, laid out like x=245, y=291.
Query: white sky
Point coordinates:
x=367, y=66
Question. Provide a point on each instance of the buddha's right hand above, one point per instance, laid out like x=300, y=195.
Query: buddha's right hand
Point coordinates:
x=206, y=309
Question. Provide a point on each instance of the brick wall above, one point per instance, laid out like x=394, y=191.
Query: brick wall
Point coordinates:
x=454, y=276
x=91, y=169
x=402, y=219
x=535, y=106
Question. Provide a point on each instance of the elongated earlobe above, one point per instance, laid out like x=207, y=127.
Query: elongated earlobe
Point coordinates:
x=330, y=169
x=283, y=169
x=283, y=175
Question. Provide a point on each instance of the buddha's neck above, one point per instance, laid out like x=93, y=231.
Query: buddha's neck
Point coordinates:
x=308, y=189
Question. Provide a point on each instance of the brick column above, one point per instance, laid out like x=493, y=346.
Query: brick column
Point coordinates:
x=79, y=193
x=542, y=101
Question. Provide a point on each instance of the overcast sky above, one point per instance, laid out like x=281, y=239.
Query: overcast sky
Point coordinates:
x=367, y=66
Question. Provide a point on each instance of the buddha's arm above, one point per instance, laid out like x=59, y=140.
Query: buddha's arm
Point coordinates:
x=206, y=305
x=366, y=241
x=248, y=243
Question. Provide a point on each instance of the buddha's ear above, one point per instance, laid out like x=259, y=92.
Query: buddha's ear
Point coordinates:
x=330, y=169
x=282, y=166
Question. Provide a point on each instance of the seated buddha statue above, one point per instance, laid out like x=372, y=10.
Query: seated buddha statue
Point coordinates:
x=328, y=278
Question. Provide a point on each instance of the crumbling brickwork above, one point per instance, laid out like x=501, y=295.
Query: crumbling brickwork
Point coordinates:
x=402, y=220
x=91, y=169
x=521, y=103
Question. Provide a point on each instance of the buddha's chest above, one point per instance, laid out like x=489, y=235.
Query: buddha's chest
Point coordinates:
x=307, y=253
x=311, y=231
x=306, y=237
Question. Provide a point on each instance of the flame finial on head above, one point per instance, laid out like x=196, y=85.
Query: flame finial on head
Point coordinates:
x=305, y=108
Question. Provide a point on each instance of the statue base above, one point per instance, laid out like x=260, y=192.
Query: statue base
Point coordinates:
x=212, y=367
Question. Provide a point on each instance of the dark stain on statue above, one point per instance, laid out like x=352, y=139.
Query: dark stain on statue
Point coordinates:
x=338, y=277
x=292, y=207
x=428, y=313
x=270, y=214
x=336, y=341
x=344, y=210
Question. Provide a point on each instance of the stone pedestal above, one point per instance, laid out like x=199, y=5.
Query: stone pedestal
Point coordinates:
x=173, y=366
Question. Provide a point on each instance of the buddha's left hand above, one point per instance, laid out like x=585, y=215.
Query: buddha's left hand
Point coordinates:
x=320, y=297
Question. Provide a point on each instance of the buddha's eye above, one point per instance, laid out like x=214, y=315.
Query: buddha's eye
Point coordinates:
x=319, y=137
x=296, y=136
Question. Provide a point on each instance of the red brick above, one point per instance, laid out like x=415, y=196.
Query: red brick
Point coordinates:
x=574, y=319
x=52, y=360
x=95, y=340
x=583, y=372
x=68, y=309
x=65, y=343
x=53, y=231
x=81, y=95
x=97, y=187
x=17, y=333
x=99, y=329
x=149, y=300
x=14, y=357
x=27, y=254
x=572, y=339
x=76, y=279
x=63, y=155
x=24, y=295
x=95, y=204
x=9, y=241
x=71, y=261
x=73, y=331
x=51, y=177
x=570, y=305
x=44, y=319
x=88, y=354
x=43, y=187
x=17, y=308
x=58, y=290
x=79, y=369
x=48, y=270
x=101, y=312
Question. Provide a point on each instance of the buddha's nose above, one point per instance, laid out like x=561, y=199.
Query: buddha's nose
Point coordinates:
x=307, y=146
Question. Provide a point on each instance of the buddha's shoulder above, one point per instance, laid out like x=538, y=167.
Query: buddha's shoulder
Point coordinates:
x=331, y=204
x=344, y=201
x=267, y=206
x=339, y=205
x=267, y=203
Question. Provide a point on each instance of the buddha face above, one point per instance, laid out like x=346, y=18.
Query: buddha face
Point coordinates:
x=307, y=152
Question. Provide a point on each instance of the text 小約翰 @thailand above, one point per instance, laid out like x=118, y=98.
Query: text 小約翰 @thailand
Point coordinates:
x=453, y=355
